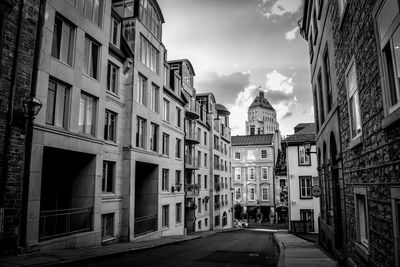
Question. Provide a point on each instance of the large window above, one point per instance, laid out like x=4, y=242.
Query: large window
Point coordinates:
x=252, y=194
x=149, y=55
x=178, y=148
x=205, y=160
x=165, y=144
x=141, y=133
x=353, y=100
x=264, y=193
x=94, y=10
x=304, y=159
x=107, y=184
x=264, y=173
x=155, y=98
x=187, y=77
x=92, y=58
x=250, y=174
x=149, y=16
x=205, y=138
x=110, y=126
x=361, y=216
x=115, y=32
x=87, y=114
x=205, y=182
x=165, y=216
x=178, y=117
x=321, y=98
x=305, y=186
x=63, y=41
x=178, y=213
x=142, y=90
x=57, y=104
x=327, y=76
x=165, y=180
x=154, y=137
x=112, y=78
x=238, y=171
x=166, y=110
x=107, y=226
x=389, y=32
x=238, y=193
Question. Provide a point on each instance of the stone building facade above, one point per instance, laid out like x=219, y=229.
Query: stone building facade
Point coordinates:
x=365, y=60
x=261, y=117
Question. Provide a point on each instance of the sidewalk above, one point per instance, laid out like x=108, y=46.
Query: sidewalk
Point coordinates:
x=81, y=254
x=298, y=252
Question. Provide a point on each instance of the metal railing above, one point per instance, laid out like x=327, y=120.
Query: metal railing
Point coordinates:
x=191, y=162
x=302, y=226
x=192, y=189
x=192, y=135
x=194, y=108
x=57, y=223
x=145, y=224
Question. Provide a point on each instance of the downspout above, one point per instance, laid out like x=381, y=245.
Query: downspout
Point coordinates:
x=10, y=117
x=288, y=183
x=273, y=185
x=30, y=124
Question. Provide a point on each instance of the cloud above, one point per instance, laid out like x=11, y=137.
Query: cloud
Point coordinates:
x=224, y=87
x=287, y=115
x=279, y=82
x=270, y=8
x=291, y=35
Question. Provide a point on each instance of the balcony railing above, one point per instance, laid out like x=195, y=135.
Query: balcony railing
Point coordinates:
x=192, y=136
x=192, y=162
x=57, y=223
x=193, y=110
x=302, y=226
x=146, y=224
x=192, y=190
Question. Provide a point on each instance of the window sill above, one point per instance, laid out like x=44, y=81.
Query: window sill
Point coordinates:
x=362, y=250
x=111, y=93
x=90, y=77
x=108, y=240
x=306, y=198
x=111, y=143
x=355, y=142
x=391, y=118
x=62, y=62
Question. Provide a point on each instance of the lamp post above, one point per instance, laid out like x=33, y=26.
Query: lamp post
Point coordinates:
x=32, y=106
x=307, y=148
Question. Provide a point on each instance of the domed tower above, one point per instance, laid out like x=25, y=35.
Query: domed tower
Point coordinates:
x=261, y=117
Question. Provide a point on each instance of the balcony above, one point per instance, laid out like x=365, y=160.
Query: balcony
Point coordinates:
x=191, y=163
x=192, y=190
x=192, y=137
x=193, y=110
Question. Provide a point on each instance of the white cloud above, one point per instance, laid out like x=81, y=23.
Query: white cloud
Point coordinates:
x=291, y=35
x=279, y=82
x=279, y=7
x=238, y=116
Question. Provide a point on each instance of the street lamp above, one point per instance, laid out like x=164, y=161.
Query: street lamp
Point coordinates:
x=307, y=148
x=32, y=106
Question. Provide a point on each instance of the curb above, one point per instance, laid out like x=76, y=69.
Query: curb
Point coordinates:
x=281, y=259
x=120, y=252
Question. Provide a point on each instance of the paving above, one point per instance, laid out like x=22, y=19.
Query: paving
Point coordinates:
x=297, y=252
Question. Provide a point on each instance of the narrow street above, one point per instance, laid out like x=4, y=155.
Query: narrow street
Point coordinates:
x=239, y=248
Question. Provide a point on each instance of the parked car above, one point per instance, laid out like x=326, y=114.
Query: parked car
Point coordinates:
x=241, y=223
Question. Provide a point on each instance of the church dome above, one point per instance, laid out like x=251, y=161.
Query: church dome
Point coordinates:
x=261, y=101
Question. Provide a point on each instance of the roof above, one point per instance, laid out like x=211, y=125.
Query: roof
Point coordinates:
x=251, y=140
x=261, y=101
x=221, y=108
x=181, y=61
x=306, y=133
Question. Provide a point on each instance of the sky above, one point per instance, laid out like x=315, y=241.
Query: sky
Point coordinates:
x=236, y=46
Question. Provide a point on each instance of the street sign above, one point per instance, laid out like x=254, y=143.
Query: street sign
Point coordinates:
x=316, y=191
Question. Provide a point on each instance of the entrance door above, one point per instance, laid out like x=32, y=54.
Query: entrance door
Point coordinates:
x=307, y=217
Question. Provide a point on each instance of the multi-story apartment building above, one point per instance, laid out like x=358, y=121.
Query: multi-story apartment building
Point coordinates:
x=302, y=176
x=318, y=21
x=261, y=117
x=365, y=149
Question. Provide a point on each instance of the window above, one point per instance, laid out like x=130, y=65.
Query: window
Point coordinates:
x=198, y=158
x=178, y=117
x=316, y=108
x=263, y=153
x=141, y=133
x=205, y=159
x=305, y=186
x=389, y=33
x=395, y=198
x=361, y=216
x=304, y=159
x=149, y=17
x=178, y=213
x=92, y=58
x=327, y=76
x=115, y=32
x=112, y=78
x=110, y=126
x=250, y=155
x=199, y=205
x=165, y=180
x=107, y=184
x=187, y=77
x=206, y=222
x=199, y=180
x=353, y=100
x=238, y=193
x=87, y=114
x=321, y=98
x=205, y=138
x=149, y=55
x=155, y=98
x=165, y=216
x=154, y=137
x=165, y=147
x=237, y=173
x=57, y=104
x=251, y=173
x=252, y=130
x=237, y=155
x=166, y=110
x=63, y=41
x=93, y=10
x=216, y=220
x=178, y=148
x=264, y=195
x=252, y=193
x=141, y=90
x=205, y=181
x=107, y=226
x=264, y=173
x=178, y=177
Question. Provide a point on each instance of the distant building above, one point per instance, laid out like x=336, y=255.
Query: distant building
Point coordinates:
x=302, y=176
x=261, y=117
x=281, y=186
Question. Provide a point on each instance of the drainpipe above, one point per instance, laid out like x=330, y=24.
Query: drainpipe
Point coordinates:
x=273, y=185
x=10, y=119
x=29, y=132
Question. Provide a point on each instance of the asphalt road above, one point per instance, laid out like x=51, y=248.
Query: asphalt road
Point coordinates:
x=237, y=248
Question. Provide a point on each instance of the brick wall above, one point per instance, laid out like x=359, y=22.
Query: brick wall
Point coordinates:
x=15, y=157
x=375, y=162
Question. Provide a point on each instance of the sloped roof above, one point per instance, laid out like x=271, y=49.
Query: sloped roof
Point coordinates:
x=261, y=101
x=308, y=133
x=251, y=140
x=222, y=108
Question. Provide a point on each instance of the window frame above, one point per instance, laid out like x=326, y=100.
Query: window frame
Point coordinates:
x=249, y=193
x=110, y=134
x=111, y=66
x=107, y=237
x=250, y=173
x=165, y=180
x=238, y=190
x=105, y=178
x=88, y=56
x=305, y=178
x=261, y=154
x=267, y=173
x=165, y=144
x=178, y=213
x=59, y=42
x=141, y=93
x=166, y=110
x=154, y=136
x=262, y=193
x=362, y=245
x=236, y=173
x=54, y=110
x=155, y=98
x=165, y=216
x=178, y=148
x=85, y=117
x=117, y=33
x=300, y=150
x=395, y=201
x=141, y=139
x=351, y=92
